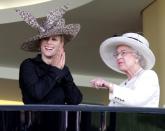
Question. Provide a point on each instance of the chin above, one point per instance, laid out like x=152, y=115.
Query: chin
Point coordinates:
x=48, y=55
x=122, y=69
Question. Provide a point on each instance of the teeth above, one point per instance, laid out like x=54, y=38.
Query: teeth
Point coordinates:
x=48, y=48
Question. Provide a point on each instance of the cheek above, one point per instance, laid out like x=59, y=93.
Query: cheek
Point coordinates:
x=41, y=47
x=130, y=62
x=57, y=44
x=56, y=48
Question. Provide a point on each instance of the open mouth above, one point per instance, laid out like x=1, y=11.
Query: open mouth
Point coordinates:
x=49, y=48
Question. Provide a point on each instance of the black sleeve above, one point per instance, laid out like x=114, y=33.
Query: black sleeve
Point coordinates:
x=72, y=93
x=38, y=86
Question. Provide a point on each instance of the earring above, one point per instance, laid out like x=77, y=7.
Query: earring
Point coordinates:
x=136, y=60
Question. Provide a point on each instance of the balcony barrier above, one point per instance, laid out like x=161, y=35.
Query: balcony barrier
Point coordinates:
x=84, y=117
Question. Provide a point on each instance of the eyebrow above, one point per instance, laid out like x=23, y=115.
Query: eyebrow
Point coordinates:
x=122, y=50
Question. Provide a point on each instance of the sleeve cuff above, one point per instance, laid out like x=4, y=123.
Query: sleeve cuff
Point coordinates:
x=56, y=73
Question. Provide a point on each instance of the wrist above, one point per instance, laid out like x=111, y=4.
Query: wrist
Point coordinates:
x=111, y=87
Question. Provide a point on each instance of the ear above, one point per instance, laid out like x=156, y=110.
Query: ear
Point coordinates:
x=137, y=60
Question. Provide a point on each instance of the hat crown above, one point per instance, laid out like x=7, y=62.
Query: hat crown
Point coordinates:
x=133, y=40
x=53, y=19
x=52, y=24
x=138, y=38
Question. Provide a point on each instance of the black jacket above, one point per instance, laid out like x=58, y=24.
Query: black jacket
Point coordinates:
x=41, y=83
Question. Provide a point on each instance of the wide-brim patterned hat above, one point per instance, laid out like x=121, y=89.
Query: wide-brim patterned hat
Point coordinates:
x=133, y=40
x=52, y=26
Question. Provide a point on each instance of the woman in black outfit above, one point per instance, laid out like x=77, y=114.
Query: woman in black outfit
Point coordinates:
x=45, y=79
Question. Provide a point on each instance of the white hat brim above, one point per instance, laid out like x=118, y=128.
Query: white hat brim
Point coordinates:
x=108, y=47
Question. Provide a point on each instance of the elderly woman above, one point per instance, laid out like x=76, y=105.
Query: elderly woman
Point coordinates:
x=130, y=54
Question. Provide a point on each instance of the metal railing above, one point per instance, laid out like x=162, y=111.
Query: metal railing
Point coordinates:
x=27, y=112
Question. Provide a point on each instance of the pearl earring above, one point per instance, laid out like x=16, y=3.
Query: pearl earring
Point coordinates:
x=136, y=61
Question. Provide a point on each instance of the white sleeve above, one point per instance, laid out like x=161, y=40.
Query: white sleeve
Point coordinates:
x=146, y=87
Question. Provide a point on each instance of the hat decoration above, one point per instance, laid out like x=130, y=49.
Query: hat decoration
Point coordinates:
x=53, y=25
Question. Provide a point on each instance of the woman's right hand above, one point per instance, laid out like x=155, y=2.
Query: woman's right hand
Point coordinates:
x=99, y=83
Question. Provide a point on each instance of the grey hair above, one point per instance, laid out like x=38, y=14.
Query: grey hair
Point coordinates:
x=141, y=59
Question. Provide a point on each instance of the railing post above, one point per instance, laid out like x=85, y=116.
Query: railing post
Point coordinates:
x=66, y=120
x=78, y=120
x=102, y=121
x=22, y=120
x=3, y=120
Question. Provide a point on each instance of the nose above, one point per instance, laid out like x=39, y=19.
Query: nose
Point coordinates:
x=119, y=56
x=48, y=40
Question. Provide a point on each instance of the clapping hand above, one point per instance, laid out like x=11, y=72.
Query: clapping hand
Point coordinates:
x=59, y=59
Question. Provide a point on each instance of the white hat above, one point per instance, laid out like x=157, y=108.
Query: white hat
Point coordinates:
x=133, y=40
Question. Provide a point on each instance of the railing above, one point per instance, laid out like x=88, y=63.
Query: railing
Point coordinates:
x=103, y=118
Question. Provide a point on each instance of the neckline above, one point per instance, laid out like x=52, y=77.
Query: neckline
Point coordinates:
x=138, y=72
x=135, y=75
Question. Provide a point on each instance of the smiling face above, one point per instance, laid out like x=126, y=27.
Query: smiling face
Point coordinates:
x=50, y=45
x=126, y=58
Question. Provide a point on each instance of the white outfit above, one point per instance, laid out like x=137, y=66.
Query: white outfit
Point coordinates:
x=140, y=91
